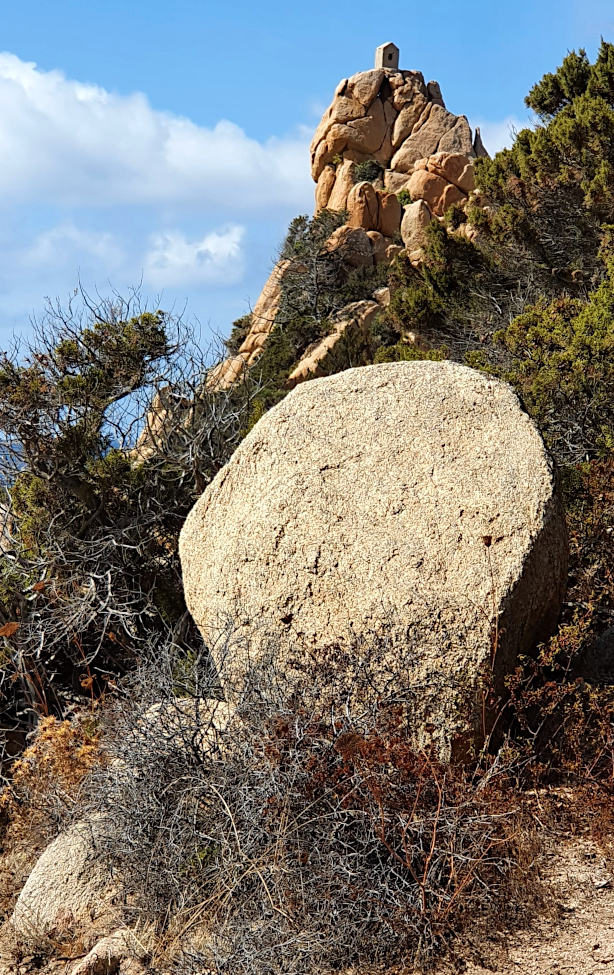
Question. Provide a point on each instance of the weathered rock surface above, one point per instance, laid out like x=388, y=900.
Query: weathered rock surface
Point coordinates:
x=428, y=187
x=458, y=138
x=416, y=218
x=387, y=115
x=455, y=168
x=389, y=215
x=414, y=498
x=67, y=888
x=344, y=181
x=425, y=141
x=119, y=952
x=363, y=206
x=263, y=320
x=356, y=316
x=353, y=244
x=384, y=249
x=159, y=422
x=324, y=188
x=478, y=146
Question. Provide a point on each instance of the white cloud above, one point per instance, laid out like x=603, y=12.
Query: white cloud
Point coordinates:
x=68, y=143
x=66, y=244
x=217, y=259
x=499, y=135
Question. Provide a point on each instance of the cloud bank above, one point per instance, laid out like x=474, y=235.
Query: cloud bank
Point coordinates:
x=174, y=261
x=102, y=186
x=72, y=144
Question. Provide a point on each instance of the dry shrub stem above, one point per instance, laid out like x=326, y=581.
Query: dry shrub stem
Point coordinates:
x=305, y=835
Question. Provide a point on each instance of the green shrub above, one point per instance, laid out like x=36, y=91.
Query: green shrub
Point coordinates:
x=368, y=171
x=95, y=512
x=316, y=286
x=563, y=367
x=557, y=181
x=403, y=352
x=404, y=197
x=238, y=333
x=425, y=299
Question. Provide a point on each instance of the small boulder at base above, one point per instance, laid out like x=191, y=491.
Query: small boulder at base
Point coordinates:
x=69, y=886
x=412, y=499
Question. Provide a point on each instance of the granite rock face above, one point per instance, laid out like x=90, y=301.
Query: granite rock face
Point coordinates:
x=262, y=323
x=416, y=218
x=412, y=498
x=403, y=125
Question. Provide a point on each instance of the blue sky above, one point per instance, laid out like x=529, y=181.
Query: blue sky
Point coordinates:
x=166, y=142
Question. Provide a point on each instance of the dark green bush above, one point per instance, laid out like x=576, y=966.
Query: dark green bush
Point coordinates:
x=238, y=333
x=368, y=171
x=555, y=186
x=403, y=352
x=563, y=367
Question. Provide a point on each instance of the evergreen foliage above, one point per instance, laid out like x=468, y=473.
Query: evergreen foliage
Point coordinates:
x=555, y=186
x=563, y=366
x=435, y=299
x=368, y=171
x=91, y=517
x=316, y=286
x=238, y=333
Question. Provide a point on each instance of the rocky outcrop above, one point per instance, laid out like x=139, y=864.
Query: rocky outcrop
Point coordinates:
x=406, y=121
x=262, y=322
x=373, y=209
x=415, y=499
x=357, y=317
x=399, y=124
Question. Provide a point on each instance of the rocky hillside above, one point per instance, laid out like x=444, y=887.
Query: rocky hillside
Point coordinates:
x=390, y=158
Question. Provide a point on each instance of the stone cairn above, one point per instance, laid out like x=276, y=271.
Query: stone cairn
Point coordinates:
x=399, y=122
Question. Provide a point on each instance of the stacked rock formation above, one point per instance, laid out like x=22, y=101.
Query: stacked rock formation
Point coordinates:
x=398, y=125
x=399, y=122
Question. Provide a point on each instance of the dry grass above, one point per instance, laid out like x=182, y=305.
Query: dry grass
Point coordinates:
x=42, y=792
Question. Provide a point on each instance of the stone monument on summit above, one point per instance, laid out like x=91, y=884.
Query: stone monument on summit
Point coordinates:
x=387, y=56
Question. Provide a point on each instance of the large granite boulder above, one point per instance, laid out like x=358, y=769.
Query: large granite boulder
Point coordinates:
x=414, y=499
